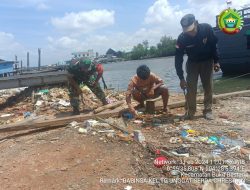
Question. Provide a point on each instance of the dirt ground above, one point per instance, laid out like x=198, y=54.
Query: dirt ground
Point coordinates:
x=65, y=159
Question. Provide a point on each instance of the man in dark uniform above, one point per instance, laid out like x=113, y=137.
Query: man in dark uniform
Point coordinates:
x=199, y=42
x=88, y=73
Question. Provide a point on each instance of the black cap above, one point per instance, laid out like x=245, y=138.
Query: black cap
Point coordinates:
x=187, y=22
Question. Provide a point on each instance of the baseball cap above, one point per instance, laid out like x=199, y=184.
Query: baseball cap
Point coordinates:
x=187, y=22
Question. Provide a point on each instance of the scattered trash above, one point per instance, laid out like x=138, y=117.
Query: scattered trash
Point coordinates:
x=175, y=140
x=216, y=151
x=203, y=139
x=192, y=132
x=229, y=122
x=184, y=133
x=74, y=124
x=182, y=151
x=175, y=172
x=64, y=103
x=6, y=116
x=139, y=137
x=26, y=114
x=213, y=140
x=128, y=187
x=124, y=137
x=82, y=130
x=128, y=115
x=232, y=149
x=39, y=103
x=231, y=142
x=220, y=146
x=45, y=91
x=138, y=121
x=106, y=131
x=186, y=127
x=89, y=123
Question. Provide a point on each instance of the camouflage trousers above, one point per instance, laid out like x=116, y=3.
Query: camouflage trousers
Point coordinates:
x=75, y=92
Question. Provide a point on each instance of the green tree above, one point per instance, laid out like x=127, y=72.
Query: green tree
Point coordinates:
x=153, y=51
x=138, y=52
x=166, y=47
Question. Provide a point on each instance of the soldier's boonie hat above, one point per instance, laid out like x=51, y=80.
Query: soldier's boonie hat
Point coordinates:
x=85, y=63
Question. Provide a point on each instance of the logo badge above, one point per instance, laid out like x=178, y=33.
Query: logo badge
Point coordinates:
x=230, y=21
x=204, y=41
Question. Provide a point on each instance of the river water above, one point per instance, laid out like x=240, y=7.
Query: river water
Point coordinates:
x=117, y=75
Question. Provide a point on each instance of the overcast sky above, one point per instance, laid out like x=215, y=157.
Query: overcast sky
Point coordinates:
x=60, y=27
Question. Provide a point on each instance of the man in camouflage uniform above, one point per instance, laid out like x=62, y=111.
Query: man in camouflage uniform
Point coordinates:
x=88, y=73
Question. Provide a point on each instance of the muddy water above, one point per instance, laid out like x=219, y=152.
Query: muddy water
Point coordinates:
x=117, y=75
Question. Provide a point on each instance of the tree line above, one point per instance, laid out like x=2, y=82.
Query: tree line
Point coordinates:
x=166, y=47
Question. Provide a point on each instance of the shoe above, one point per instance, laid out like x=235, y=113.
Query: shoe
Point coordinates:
x=188, y=117
x=209, y=116
x=139, y=106
x=76, y=112
x=182, y=151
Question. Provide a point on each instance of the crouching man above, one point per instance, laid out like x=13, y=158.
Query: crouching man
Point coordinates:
x=146, y=85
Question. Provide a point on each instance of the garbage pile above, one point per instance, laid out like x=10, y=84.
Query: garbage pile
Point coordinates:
x=5, y=94
x=18, y=104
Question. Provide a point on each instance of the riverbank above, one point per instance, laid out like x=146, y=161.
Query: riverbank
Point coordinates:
x=100, y=156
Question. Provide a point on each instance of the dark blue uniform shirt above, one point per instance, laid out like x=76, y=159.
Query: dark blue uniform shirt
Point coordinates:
x=201, y=47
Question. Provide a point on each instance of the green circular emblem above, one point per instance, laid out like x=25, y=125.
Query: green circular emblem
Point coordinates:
x=230, y=21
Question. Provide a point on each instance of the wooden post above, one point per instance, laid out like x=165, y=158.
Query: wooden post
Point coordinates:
x=150, y=105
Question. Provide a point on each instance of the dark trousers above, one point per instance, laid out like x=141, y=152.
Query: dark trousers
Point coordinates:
x=75, y=92
x=204, y=69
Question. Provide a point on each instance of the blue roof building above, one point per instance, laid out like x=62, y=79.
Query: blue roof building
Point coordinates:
x=6, y=66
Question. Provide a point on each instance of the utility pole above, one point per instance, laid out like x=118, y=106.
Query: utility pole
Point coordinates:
x=28, y=60
x=15, y=63
x=39, y=58
x=21, y=66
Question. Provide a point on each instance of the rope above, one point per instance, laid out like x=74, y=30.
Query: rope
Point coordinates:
x=233, y=78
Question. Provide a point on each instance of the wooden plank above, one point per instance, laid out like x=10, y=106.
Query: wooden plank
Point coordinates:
x=56, y=122
x=114, y=113
x=109, y=106
x=200, y=99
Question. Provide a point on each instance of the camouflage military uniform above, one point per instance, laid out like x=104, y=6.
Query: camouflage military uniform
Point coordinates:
x=87, y=78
